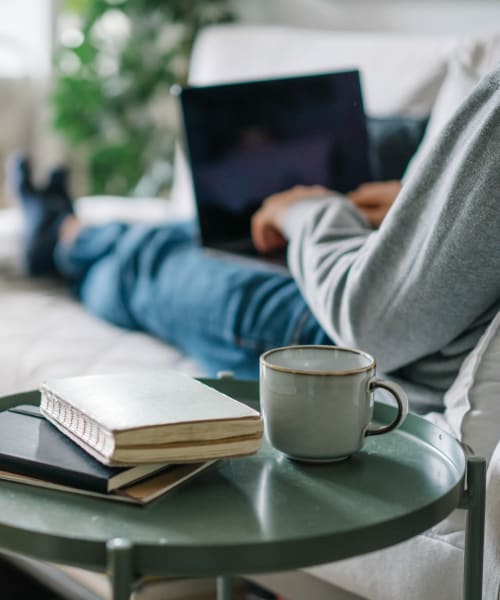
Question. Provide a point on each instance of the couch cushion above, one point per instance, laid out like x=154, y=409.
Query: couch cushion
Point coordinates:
x=473, y=401
x=468, y=63
x=491, y=588
x=472, y=408
x=413, y=570
x=460, y=79
x=400, y=73
x=46, y=333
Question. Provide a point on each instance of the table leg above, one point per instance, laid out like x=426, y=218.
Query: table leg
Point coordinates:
x=474, y=502
x=120, y=567
x=224, y=588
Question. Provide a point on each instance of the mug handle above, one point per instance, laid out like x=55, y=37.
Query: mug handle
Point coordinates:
x=399, y=395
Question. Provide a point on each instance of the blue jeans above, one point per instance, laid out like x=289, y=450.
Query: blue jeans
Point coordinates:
x=157, y=279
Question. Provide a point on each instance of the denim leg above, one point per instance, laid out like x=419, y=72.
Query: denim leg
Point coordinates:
x=221, y=313
x=92, y=244
x=103, y=265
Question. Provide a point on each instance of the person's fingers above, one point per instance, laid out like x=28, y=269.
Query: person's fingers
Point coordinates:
x=367, y=200
x=259, y=226
x=376, y=188
x=266, y=222
x=374, y=216
x=361, y=188
x=375, y=199
x=273, y=240
x=265, y=235
x=368, y=190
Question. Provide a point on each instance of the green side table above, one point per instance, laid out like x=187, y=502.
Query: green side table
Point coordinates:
x=260, y=513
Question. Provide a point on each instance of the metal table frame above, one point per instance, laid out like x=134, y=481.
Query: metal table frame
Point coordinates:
x=121, y=558
x=120, y=551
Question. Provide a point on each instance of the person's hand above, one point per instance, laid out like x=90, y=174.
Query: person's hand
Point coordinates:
x=267, y=222
x=375, y=199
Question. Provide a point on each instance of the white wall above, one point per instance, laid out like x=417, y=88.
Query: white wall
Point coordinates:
x=25, y=37
x=445, y=16
x=25, y=61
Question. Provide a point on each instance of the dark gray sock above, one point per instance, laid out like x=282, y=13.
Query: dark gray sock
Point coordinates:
x=44, y=210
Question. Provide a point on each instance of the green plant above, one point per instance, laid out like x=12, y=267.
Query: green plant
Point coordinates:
x=112, y=97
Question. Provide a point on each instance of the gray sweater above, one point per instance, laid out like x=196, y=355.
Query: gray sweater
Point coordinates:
x=418, y=292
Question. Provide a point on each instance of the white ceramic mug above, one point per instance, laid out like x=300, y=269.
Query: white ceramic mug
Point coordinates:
x=317, y=401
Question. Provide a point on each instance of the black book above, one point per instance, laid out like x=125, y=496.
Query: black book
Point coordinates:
x=31, y=446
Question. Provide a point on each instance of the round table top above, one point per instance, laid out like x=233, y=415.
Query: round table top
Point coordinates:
x=258, y=513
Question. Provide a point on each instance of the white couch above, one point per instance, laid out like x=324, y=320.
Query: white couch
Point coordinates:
x=44, y=332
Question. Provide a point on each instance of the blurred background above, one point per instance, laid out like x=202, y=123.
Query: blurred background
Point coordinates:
x=86, y=82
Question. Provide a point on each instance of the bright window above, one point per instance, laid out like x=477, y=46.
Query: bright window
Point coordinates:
x=25, y=37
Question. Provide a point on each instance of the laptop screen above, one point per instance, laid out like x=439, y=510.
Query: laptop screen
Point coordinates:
x=248, y=140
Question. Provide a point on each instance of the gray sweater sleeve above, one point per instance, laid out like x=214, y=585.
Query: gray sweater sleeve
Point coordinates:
x=422, y=288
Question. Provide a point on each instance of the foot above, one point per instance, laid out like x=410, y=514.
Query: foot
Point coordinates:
x=44, y=211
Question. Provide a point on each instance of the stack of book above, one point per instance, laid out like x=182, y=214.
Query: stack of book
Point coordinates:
x=129, y=437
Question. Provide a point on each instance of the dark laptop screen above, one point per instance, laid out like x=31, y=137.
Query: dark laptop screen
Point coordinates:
x=248, y=140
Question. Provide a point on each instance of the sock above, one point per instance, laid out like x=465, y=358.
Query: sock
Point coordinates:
x=44, y=211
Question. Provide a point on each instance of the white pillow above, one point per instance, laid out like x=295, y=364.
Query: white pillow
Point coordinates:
x=470, y=61
x=461, y=77
x=472, y=404
x=459, y=82
x=401, y=74
x=487, y=53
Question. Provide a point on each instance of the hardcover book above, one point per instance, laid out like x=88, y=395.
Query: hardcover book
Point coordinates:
x=33, y=447
x=126, y=419
x=141, y=492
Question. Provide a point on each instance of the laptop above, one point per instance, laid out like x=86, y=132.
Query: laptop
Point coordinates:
x=245, y=141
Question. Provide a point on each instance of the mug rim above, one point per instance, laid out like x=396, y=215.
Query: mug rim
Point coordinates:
x=265, y=355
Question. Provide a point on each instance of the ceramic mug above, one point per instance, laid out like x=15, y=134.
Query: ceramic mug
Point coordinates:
x=317, y=401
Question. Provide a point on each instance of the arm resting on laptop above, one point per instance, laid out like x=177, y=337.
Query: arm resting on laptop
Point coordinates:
x=424, y=281
x=373, y=200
